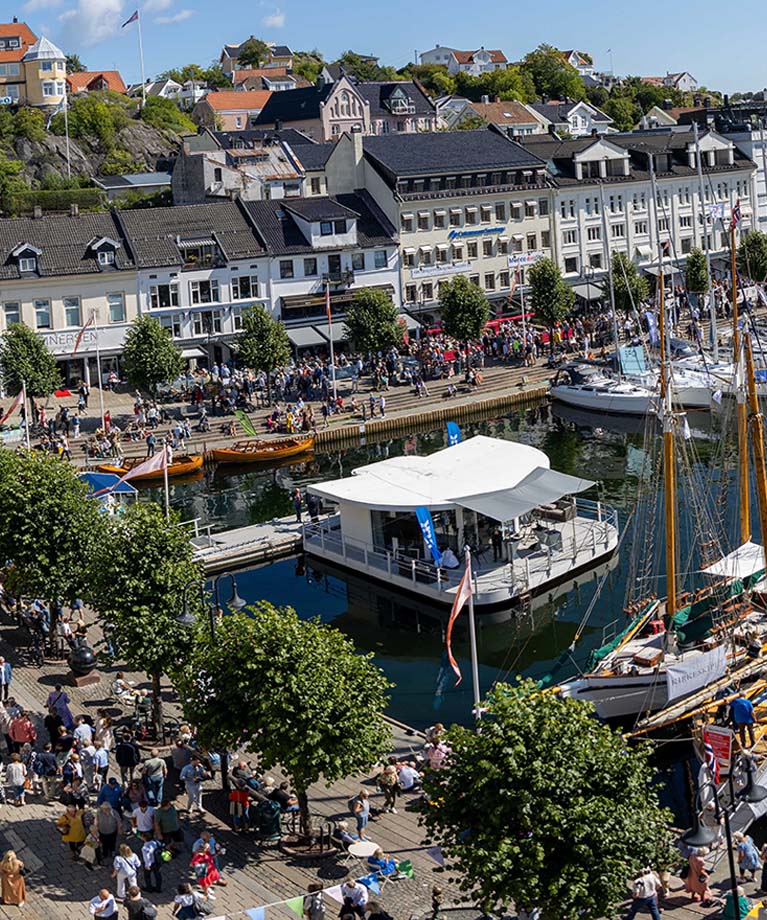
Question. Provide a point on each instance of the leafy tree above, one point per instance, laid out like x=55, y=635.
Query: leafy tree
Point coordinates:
x=631, y=288
x=752, y=256
x=696, y=271
x=93, y=117
x=263, y=344
x=6, y=124
x=149, y=355
x=463, y=308
x=10, y=177
x=597, y=95
x=624, y=113
x=293, y=691
x=361, y=70
x=164, y=113
x=559, y=813
x=48, y=528
x=550, y=297
x=119, y=162
x=215, y=77
x=372, y=321
x=25, y=359
x=469, y=122
x=434, y=78
x=30, y=124
x=253, y=53
x=137, y=574
x=74, y=64
x=551, y=74
x=307, y=64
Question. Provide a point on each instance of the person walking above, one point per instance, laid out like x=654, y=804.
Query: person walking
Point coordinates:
x=167, y=827
x=192, y=776
x=644, y=891
x=127, y=756
x=15, y=776
x=72, y=829
x=108, y=825
x=389, y=784
x=150, y=857
x=355, y=897
x=297, y=504
x=22, y=731
x=748, y=855
x=100, y=763
x=58, y=698
x=137, y=907
x=47, y=770
x=6, y=673
x=103, y=905
x=696, y=882
x=154, y=772
x=14, y=890
x=743, y=718
x=314, y=905
x=124, y=868
x=361, y=811
x=205, y=871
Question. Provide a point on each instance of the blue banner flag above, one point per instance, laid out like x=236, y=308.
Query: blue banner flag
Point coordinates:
x=427, y=529
x=652, y=328
x=453, y=434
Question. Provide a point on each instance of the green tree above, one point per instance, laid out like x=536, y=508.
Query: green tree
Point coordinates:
x=372, y=321
x=25, y=359
x=551, y=74
x=149, y=355
x=696, y=272
x=137, y=575
x=463, y=308
x=624, y=113
x=91, y=118
x=551, y=299
x=48, y=528
x=631, y=288
x=215, y=77
x=30, y=124
x=74, y=64
x=263, y=344
x=434, y=78
x=165, y=114
x=545, y=807
x=356, y=67
x=307, y=64
x=11, y=179
x=752, y=256
x=253, y=53
x=470, y=122
x=119, y=162
x=294, y=691
x=6, y=124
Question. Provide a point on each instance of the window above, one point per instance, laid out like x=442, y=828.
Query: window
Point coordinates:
x=543, y=206
x=204, y=291
x=474, y=279
x=28, y=264
x=531, y=208
x=503, y=247
x=106, y=257
x=172, y=321
x=500, y=212
x=406, y=223
x=410, y=293
x=286, y=268
x=244, y=286
x=60, y=88
x=457, y=253
x=490, y=282
x=358, y=261
x=163, y=295
x=339, y=226
x=207, y=322
x=439, y=220
x=72, y=311
x=595, y=260
x=640, y=227
x=486, y=214
x=49, y=88
x=471, y=250
x=316, y=185
x=687, y=244
x=46, y=66
x=471, y=215
x=12, y=90
x=570, y=237
x=381, y=260
x=616, y=204
x=116, y=305
x=12, y=312
x=516, y=243
x=618, y=231
x=571, y=265
x=487, y=247
x=640, y=201
x=408, y=258
x=532, y=242
x=423, y=220
x=685, y=222
x=43, y=314
x=238, y=121
x=515, y=209
x=593, y=234
x=425, y=256
x=442, y=252
x=663, y=223
x=334, y=264
x=545, y=239
x=567, y=208
x=503, y=280
x=427, y=291
x=326, y=228
x=455, y=217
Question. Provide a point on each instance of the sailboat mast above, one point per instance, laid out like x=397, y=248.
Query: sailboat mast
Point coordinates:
x=606, y=249
x=740, y=392
x=757, y=439
x=669, y=468
x=706, y=246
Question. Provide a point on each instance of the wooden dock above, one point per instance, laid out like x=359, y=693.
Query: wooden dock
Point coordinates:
x=249, y=545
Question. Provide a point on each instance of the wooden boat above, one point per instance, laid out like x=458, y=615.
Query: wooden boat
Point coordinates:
x=181, y=466
x=257, y=451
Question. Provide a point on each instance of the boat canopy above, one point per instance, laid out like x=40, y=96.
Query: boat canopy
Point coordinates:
x=436, y=481
x=742, y=562
x=541, y=487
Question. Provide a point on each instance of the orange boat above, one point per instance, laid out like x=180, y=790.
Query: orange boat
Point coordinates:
x=181, y=466
x=262, y=451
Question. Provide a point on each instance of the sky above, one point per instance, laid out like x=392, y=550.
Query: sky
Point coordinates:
x=646, y=39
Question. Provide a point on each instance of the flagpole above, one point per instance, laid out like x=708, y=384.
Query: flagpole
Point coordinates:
x=26, y=413
x=167, y=489
x=98, y=372
x=473, y=642
x=524, y=321
x=330, y=334
x=141, y=60
x=706, y=247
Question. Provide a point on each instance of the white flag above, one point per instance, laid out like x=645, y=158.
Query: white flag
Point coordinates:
x=151, y=465
x=686, y=430
x=717, y=397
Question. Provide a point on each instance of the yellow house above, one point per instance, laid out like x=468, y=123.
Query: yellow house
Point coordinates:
x=32, y=70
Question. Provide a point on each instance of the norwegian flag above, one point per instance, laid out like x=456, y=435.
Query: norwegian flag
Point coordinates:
x=133, y=18
x=462, y=595
x=736, y=215
x=14, y=406
x=711, y=762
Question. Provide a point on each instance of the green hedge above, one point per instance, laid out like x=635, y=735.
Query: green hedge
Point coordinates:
x=19, y=203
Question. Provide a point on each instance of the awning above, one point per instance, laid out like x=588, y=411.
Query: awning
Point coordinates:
x=588, y=291
x=644, y=251
x=193, y=352
x=518, y=236
x=541, y=487
x=336, y=328
x=471, y=209
x=305, y=337
x=440, y=211
x=425, y=248
x=409, y=251
x=746, y=560
x=443, y=247
x=192, y=244
x=531, y=204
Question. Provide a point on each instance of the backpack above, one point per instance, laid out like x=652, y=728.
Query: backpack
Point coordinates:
x=149, y=912
x=314, y=906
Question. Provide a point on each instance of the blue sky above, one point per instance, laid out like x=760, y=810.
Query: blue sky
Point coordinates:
x=648, y=38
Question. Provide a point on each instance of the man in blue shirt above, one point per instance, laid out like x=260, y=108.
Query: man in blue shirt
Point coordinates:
x=111, y=793
x=742, y=714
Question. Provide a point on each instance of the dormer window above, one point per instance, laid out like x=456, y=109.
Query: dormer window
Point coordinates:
x=28, y=264
x=106, y=257
x=326, y=228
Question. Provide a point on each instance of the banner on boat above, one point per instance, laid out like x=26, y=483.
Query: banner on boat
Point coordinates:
x=427, y=529
x=719, y=741
x=690, y=675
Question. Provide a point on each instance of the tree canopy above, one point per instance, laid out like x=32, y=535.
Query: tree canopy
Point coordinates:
x=25, y=359
x=550, y=297
x=696, y=272
x=48, y=528
x=74, y=64
x=263, y=343
x=164, y=113
x=545, y=807
x=552, y=75
x=253, y=53
x=149, y=355
x=372, y=321
x=294, y=691
x=630, y=287
x=752, y=256
x=464, y=309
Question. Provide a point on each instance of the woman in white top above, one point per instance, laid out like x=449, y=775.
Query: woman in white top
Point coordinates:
x=124, y=869
x=15, y=775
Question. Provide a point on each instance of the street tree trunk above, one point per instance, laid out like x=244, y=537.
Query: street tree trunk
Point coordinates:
x=303, y=810
x=157, y=717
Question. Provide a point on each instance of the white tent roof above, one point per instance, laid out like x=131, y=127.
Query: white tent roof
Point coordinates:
x=541, y=487
x=437, y=481
x=740, y=563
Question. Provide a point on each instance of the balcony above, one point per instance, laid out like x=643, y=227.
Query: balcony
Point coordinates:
x=339, y=279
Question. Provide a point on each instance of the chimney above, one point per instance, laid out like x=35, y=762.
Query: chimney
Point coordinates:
x=485, y=100
x=74, y=209
x=15, y=19
x=643, y=123
x=37, y=212
x=552, y=130
x=726, y=101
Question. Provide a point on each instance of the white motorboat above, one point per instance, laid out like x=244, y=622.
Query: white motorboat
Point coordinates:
x=586, y=387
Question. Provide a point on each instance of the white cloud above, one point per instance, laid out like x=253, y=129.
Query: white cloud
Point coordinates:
x=274, y=21
x=156, y=6
x=176, y=17
x=32, y=6
x=92, y=21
